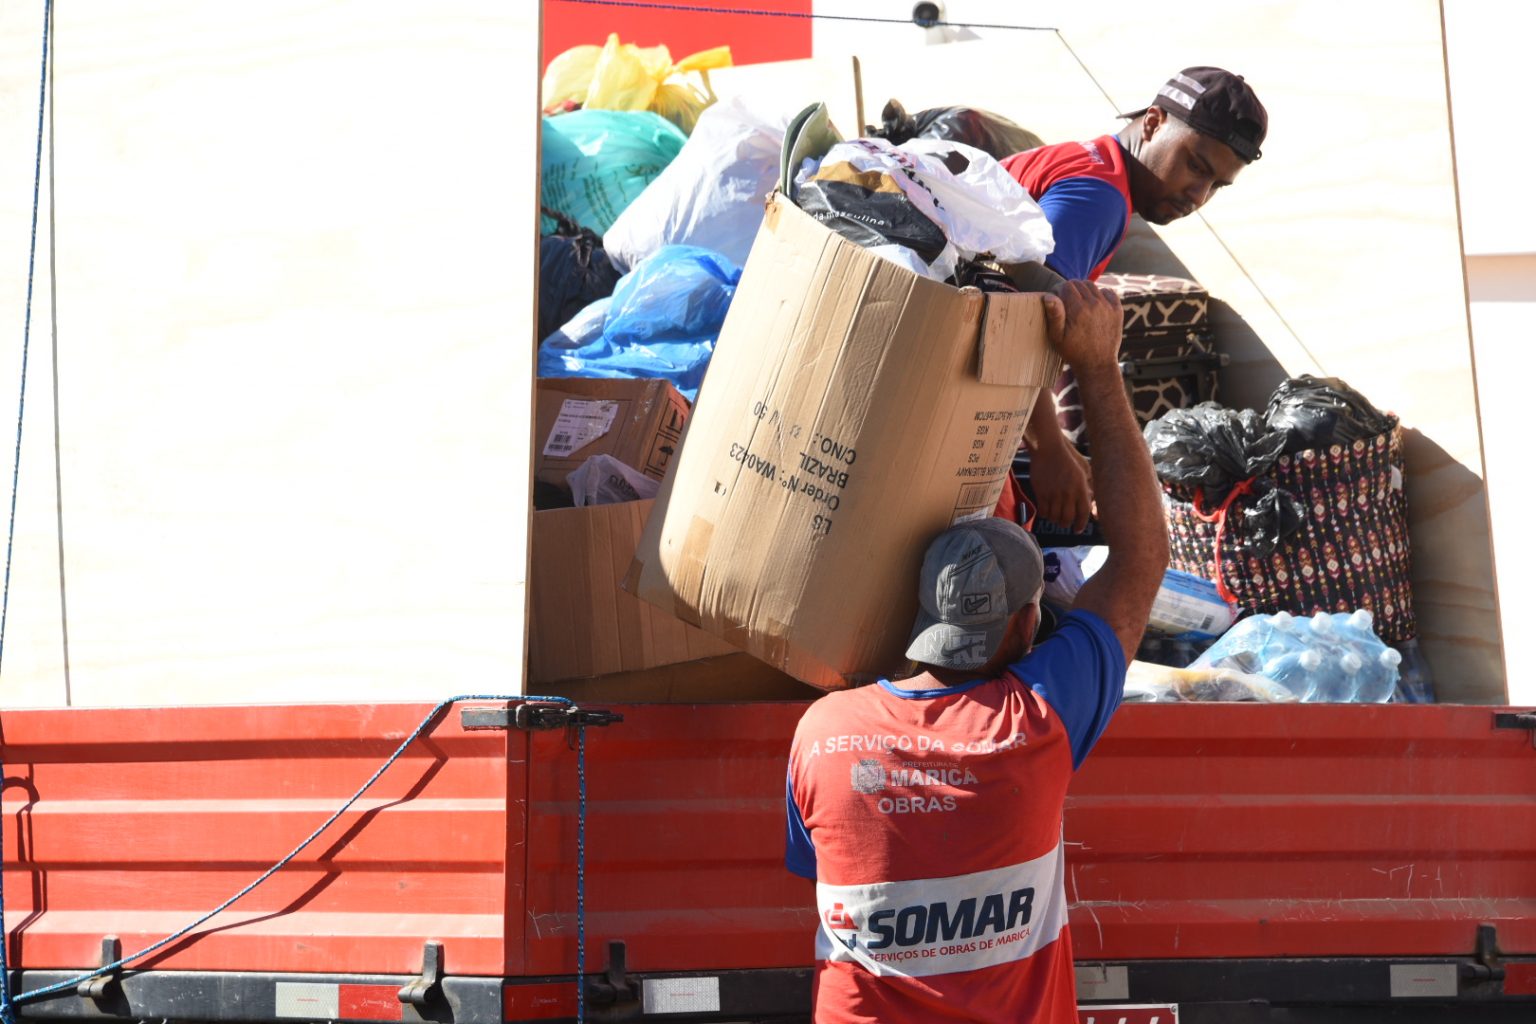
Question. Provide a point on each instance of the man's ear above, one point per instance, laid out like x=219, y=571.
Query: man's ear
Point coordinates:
x=1029, y=624
x=1151, y=121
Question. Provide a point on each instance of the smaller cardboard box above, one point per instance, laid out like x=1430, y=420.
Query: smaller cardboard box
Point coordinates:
x=580, y=623
x=638, y=422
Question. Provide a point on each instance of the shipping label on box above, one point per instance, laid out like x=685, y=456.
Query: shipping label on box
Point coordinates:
x=638, y=422
x=579, y=423
x=852, y=411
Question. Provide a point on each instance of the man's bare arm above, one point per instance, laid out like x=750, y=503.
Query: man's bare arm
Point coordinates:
x=1129, y=501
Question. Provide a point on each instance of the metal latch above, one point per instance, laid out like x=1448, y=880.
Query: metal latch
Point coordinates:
x=1516, y=720
x=614, y=986
x=101, y=987
x=534, y=715
x=417, y=993
x=1490, y=961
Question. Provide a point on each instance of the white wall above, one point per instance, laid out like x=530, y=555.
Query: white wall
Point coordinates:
x=294, y=255
x=1493, y=85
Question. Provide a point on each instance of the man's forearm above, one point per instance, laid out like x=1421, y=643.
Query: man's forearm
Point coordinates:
x=1043, y=429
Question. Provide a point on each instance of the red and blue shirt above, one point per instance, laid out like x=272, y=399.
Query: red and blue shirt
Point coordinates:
x=1084, y=191
x=931, y=822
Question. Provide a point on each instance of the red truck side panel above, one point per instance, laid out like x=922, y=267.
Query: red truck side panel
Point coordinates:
x=1217, y=830
x=135, y=822
x=1240, y=830
x=1194, y=831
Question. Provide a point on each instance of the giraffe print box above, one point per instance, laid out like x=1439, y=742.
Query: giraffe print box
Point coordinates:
x=1166, y=320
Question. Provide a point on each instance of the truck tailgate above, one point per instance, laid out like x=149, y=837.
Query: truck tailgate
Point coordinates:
x=1194, y=831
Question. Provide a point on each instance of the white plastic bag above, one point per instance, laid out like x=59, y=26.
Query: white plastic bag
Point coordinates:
x=979, y=206
x=605, y=480
x=711, y=194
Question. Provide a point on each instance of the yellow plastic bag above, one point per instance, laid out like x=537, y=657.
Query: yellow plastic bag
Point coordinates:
x=568, y=78
x=679, y=98
x=626, y=76
x=623, y=76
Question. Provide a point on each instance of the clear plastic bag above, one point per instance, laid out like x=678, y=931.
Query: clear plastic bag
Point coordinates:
x=605, y=480
x=1325, y=658
x=1163, y=684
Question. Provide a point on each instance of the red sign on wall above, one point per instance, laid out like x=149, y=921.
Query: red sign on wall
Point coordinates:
x=753, y=38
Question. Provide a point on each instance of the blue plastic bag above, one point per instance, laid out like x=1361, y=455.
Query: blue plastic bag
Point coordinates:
x=661, y=322
x=595, y=162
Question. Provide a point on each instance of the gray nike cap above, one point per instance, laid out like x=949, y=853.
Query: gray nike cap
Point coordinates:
x=975, y=576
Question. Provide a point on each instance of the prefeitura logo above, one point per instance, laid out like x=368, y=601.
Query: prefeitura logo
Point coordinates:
x=867, y=776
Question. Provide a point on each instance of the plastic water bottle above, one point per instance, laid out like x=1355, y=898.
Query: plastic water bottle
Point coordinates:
x=1358, y=627
x=1297, y=671
x=1415, y=684
x=1338, y=677
x=1378, y=679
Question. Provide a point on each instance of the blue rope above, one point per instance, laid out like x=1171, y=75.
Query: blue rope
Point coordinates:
x=7, y=1008
x=7, y=1003
x=803, y=15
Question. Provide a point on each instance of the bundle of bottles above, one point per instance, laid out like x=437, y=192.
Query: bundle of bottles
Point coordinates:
x=1328, y=657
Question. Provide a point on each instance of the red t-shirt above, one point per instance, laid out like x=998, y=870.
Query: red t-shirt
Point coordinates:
x=931, y=821
x=1084, y=191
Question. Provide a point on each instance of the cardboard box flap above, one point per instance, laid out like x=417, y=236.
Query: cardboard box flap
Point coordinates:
x=1008, y=351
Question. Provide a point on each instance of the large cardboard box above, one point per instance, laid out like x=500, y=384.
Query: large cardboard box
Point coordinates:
x=580, y=623
x=638, y=422
x=851, y=412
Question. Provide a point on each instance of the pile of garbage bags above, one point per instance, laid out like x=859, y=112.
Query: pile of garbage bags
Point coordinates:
x=647, y=228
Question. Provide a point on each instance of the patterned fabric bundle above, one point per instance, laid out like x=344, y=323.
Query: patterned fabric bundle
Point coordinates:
x=1350, y=552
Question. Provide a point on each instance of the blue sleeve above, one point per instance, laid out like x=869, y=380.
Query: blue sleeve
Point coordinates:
x=799, y=854
x=1080, y=671
x=1087, y=218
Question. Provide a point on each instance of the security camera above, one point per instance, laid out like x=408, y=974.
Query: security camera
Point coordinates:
x=927, y=15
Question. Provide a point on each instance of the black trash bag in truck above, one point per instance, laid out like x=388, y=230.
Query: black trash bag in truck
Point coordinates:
x=1315, y=412
x=991, y=133
x=1216, y=451
x=574, y=272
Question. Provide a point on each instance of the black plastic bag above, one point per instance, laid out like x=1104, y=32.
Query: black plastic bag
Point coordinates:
x=1315, y=412
x=1270, y=514
x=869, y=217
x=1212, y=448
x=991, y=133
x=1217, y=451
x=574, y=272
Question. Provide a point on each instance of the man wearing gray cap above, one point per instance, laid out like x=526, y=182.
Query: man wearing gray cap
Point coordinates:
x=928, y=810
